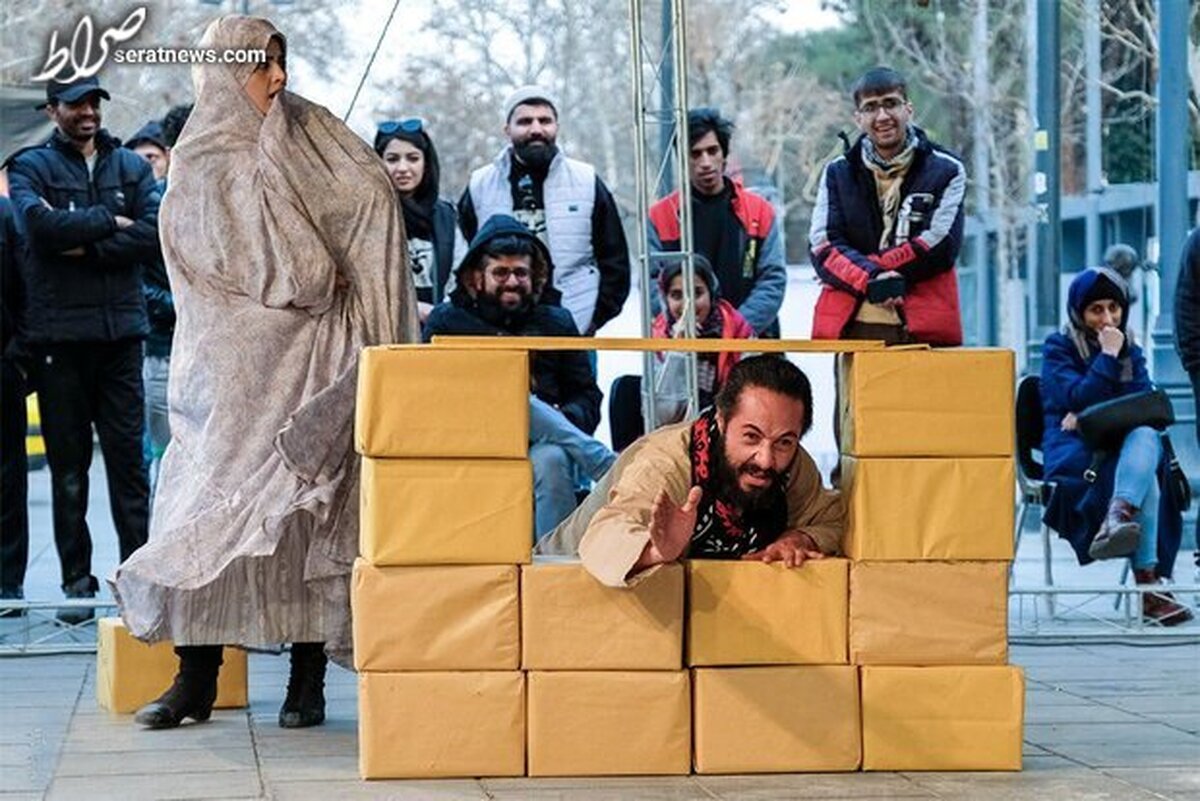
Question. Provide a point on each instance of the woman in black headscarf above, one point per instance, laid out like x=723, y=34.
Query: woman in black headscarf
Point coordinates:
x=435, y=245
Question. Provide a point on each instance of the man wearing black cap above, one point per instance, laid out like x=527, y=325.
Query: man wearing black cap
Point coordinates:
x=150, y=143
x=90, y=208
x=153, y=143
x=560, y=199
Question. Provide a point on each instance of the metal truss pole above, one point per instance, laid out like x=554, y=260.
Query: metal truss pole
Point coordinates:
x=662, y=59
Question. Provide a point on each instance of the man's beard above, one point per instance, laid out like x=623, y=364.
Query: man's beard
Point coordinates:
x=500, y=315
x=536, y=153
x=730, y=490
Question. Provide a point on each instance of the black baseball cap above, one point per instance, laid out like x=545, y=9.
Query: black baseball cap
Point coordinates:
x=58, y=92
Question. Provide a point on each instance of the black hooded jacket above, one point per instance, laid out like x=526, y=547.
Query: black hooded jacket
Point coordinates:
x=560, y=378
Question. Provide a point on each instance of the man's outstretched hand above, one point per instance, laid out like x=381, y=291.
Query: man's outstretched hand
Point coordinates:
x=671, y=526
x=793, y=548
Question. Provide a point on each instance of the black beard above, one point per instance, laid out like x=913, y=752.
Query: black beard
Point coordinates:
x=536, y=157
x=729, y=490
x=491, y=310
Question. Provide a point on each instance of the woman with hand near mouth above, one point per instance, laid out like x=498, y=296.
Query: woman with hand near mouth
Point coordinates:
x=1121, y=513
x=435, y=245
x=285, y=249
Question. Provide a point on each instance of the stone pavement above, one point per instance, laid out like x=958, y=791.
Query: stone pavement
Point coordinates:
x=1102, y=722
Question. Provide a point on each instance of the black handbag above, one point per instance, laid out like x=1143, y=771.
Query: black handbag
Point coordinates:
x=1177, y=481
x=1103, y=426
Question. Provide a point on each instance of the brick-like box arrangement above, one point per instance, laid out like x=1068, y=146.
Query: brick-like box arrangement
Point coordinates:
x=447, y=520
x=476, y=661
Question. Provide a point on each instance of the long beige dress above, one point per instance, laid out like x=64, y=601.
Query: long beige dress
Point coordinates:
x=286, y=253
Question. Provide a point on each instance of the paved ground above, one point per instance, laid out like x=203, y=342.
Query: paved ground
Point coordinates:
x=1103, y=722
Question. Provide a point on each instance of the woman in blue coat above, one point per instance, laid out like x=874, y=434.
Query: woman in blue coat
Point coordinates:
x=1093, y=360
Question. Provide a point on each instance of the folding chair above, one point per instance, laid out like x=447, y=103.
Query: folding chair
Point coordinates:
x=1035, y=490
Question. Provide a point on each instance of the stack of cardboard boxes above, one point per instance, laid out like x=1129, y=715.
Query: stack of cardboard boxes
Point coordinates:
x=473, y=661
x=927, y=468
x=447, y=518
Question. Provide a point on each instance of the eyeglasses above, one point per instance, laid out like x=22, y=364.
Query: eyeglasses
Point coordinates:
x=410, y=125
x=501, y=274
x=888, y=104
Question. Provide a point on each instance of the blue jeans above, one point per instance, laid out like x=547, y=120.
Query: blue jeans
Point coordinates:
x=557, y=448
x=155, y=370
x=1136, y=483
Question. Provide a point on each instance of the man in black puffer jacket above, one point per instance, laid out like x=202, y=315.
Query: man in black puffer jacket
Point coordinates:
x=90, y=208
x=504, y=288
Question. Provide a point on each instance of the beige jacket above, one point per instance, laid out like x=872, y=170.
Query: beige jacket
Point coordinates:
x=611, y=527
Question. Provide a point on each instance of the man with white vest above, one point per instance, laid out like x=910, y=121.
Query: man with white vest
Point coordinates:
x=560, y=199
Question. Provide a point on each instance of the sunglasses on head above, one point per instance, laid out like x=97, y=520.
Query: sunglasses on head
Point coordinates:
x=410, y=125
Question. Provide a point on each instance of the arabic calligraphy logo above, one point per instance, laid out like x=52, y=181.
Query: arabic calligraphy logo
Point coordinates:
x=84, y=45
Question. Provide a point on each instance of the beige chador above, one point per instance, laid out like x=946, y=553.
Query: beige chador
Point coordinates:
x=611, y=527
x=286, y=254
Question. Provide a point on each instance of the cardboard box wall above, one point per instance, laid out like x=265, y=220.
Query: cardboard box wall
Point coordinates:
x=776, y=719
x=131, y=674
x=929, y=508
x=929, y=613
x=609, y=723
x=441, y=725
x=458, y=617
x=570, y=621
x=417, y=401
x=446, y=511
x=752, y=613
x=944, y=402
x=942, y=718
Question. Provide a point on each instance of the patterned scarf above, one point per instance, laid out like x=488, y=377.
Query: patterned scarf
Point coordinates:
x=889, y=175
x=721, y=532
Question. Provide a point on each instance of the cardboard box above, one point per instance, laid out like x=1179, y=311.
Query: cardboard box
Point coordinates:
x=929, y=613
x=904, y=509
x=131, y=674
x=570, y=621
x=609, y=723
x=446, y=511
x=460, y=617
x=422, y=401
x=752, y=613
x=438, y=725
x=942, y=718
x=776, y=719
x=945, y=402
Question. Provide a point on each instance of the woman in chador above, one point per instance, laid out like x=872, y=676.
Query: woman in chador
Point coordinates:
x=286, y=253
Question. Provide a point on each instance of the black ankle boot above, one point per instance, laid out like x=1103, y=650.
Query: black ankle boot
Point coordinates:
x=193, y=692
x=305, y=702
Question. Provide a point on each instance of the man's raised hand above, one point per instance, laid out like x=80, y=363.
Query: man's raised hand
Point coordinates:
x=671, y=526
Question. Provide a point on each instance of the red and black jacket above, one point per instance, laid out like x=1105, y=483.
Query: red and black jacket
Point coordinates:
x=847, y=225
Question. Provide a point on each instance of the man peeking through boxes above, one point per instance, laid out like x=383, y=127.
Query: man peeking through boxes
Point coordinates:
x=732, y=484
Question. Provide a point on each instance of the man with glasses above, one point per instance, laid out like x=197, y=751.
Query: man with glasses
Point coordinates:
x=887, y=227
x=563, y=201
x=90, y=209
x=504, y=287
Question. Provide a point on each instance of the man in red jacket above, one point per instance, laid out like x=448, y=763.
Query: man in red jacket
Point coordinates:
x=887, y=227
